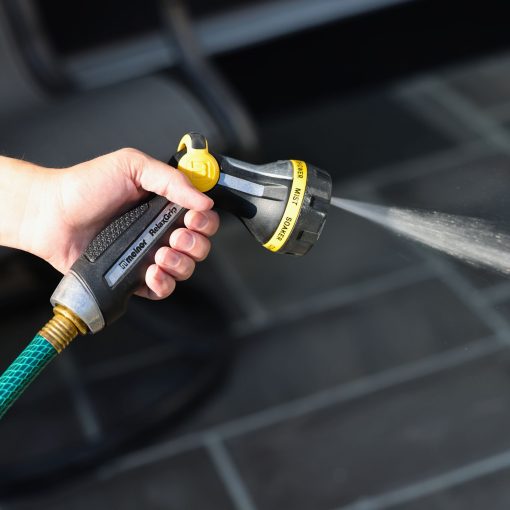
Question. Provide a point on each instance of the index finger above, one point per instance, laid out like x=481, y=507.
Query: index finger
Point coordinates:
x=158, y=177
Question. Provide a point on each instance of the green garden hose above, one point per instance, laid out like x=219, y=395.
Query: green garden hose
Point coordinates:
x=24, y=369
x=50, y=341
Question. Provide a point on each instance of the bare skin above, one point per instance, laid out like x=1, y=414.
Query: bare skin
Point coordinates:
x=55, y=213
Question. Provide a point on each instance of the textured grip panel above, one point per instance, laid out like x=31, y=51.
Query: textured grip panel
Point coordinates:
x=112, y=232
x=25, y=368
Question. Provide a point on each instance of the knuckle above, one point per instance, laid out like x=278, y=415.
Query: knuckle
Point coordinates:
x=176, y=179
x=130, y=152
x=131, y=158
x=181, y=179
x=176, y=185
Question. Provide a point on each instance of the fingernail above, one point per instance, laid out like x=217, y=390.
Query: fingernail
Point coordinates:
x=201, y=221
x=187, y=240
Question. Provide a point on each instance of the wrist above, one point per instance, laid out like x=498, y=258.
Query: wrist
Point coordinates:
x=26, y=192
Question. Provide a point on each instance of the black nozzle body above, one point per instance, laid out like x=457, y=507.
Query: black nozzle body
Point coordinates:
x=283, y=204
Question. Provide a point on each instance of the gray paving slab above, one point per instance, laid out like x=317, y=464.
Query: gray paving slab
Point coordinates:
x=186, y=481
x=342, y=345
x=379, y=443
x=350, y=251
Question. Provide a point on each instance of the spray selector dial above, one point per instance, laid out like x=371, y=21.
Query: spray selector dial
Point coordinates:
x=197, y=163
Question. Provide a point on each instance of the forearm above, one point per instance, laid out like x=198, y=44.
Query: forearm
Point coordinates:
x=24, y=193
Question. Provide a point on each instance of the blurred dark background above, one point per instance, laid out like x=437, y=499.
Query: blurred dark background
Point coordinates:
x=370, y=374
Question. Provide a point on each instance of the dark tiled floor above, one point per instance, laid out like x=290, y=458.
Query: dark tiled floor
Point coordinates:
x=381, y=442
x=347, y=245
x=186, y=481
x=364, y=338
x=486, y=492
x=39, y=425
x=146, y=328
x=329, y=452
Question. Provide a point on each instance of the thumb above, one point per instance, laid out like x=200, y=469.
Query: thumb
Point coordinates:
x=162, y=179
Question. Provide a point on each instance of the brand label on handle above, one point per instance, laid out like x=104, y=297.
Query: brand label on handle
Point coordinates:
x=147, y=239
x=293, y=208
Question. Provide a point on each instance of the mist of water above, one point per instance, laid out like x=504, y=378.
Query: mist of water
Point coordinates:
x=473, y=240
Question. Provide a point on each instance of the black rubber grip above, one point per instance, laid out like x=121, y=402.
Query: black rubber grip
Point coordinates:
x=113, y=231
x=114, y=264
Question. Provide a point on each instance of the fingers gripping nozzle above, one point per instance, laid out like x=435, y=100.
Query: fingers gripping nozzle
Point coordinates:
x=283, y=204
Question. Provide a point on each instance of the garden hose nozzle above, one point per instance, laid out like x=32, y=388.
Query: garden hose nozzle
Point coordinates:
x=283, y=204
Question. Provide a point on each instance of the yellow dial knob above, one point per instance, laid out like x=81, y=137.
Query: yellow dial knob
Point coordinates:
x=197, y=163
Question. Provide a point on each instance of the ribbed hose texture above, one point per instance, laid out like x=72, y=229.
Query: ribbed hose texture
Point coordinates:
x=24, y=369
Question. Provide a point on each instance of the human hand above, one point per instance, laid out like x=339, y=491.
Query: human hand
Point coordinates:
x=61, y=211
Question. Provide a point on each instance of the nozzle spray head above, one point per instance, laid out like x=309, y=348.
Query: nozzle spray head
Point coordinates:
x=283, y=204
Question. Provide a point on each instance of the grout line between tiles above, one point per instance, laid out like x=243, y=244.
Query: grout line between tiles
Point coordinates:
x=466, y=112
x=361, y=387
x=151, y=454
x=341, y=296
x=421, y=166
x=433, y=113
x=228, y=473
x=470, y=296
x=497, y=293
x=321, y=400
x=444, y=481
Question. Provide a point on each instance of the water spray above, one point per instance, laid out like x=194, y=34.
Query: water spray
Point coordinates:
x=283, y=204
x=473, y=240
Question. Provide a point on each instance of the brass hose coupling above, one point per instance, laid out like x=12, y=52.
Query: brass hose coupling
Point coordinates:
x=63, y=328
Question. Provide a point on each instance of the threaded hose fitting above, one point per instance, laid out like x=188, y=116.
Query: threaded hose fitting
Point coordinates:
x=63, y=328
